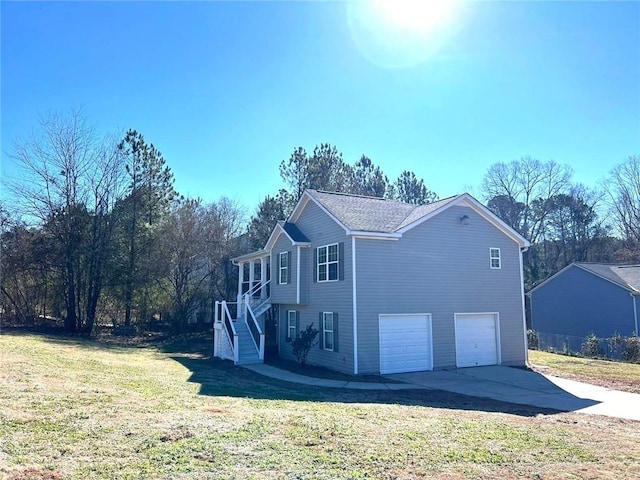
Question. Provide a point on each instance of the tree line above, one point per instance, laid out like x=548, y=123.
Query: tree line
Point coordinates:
x=95, y=232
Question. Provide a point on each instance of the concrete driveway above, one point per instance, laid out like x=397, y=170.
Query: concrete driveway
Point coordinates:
x=525, y=387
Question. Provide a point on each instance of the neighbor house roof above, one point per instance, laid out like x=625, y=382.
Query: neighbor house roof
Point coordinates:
x=625, y=276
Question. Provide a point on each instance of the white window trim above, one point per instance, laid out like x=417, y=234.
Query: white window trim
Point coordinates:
x=327, y=263
x=325, y=315
x=289, y=326
x=492, y=258
x=283, y=269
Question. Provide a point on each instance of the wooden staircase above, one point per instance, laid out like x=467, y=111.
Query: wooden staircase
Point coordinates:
x=247, y=351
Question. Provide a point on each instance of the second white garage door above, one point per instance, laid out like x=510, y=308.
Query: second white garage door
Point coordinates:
x=405, y=343
x=476, y=339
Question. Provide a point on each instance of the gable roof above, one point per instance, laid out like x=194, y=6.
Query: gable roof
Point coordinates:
x=364, y=215
x=291, y=231
x=625, y=276
x=370, y=214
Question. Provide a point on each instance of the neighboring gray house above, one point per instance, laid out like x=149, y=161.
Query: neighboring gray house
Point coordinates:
x=391, y=287
x=586, y=298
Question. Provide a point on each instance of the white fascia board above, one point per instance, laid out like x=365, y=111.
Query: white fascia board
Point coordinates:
x=467, y=200
x=275, y=233
x=375, y=235
x=302, y=203
x=250, y=256
x=423, y=219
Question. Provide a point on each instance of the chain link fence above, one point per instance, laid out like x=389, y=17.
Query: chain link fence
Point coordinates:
x=613, y=348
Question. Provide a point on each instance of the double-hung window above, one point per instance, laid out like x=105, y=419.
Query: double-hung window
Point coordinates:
x=327, y=261
x=292, y=324
x=327, y=331
x=283, y=271
x=494, y=258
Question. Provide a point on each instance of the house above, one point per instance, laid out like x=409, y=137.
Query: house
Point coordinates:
x=391, y=287
x=588, y=298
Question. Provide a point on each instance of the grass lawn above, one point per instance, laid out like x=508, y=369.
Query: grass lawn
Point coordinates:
x=616, y=375
x=73, y=408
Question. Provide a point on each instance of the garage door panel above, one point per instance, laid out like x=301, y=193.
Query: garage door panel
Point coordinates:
x=405, y=343
x=476, y=340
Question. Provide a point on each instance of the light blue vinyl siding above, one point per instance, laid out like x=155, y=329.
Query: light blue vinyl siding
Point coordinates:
x=320, y=297
x=579, y=303
x=283, y=293
x=440, y=267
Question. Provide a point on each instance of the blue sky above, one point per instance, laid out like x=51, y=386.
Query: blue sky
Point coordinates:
x=226, y=90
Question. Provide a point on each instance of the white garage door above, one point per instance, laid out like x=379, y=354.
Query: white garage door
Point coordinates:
x=405, y=343
x=476, y=339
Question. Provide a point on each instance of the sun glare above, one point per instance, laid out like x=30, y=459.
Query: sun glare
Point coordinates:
x=403, y=33
x=416, y=14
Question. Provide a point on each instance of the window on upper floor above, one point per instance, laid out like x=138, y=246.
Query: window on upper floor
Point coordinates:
x=327, y=262
x=494, y=258
x=283, y=271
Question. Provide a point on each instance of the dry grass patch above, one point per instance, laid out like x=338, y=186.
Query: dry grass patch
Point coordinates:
x=73, y=410
x=606, y=373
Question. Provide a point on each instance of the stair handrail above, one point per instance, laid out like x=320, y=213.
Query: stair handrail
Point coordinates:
x=257, y=335
x=262, y=300
x=227, y=321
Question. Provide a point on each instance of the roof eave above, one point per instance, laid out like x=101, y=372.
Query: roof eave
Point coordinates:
x=250, y=256
x=382, y=235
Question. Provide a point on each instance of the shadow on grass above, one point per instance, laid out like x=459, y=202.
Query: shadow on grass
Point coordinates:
x=221, y=378
x=200, y=344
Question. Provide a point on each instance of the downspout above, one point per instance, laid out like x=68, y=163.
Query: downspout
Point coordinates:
x=524, y=313
x=240, y=279
x=355, y=306
x=298, y=275
x=634, y=298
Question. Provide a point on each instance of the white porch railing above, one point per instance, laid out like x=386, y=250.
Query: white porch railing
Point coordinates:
x=256, y=301
x=224, y=321
x=257, y=334
x=250, y=307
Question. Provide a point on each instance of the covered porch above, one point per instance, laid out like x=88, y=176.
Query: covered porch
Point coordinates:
x=239, y=327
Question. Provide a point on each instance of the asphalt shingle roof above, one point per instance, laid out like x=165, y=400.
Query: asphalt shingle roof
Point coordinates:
x=373, y=214
x=627, y=276
x=294, y=232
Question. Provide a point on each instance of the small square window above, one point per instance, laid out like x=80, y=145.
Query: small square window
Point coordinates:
x=494, y=258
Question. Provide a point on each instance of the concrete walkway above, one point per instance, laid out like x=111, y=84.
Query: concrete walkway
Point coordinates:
x=505, y=384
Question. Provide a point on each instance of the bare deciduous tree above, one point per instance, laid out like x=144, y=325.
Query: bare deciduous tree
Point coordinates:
x=69, y=184
x=623, y=191
x=526, y=184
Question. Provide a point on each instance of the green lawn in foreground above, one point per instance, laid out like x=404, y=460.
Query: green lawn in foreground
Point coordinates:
x=79, y=409
x=617, y=375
